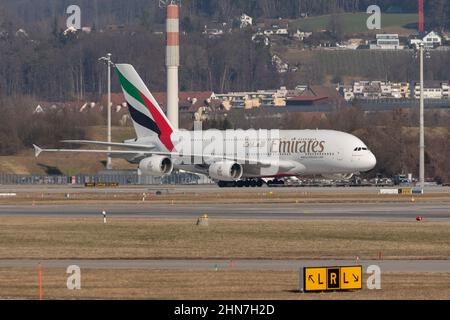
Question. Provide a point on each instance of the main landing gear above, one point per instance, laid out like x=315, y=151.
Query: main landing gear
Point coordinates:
x=249, y=183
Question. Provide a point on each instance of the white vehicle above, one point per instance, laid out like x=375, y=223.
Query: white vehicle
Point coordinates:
x=256, y=156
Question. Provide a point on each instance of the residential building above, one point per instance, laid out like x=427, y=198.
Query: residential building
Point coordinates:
x=431, y=40
x=445, y=90
x=313, y=95
x=261, y=37
x=432, y=90
x=372, y=90
x=353, y=44
x=404, y=90
x=282, y=67
x=213, y=33
x=246, y=21
x=251, y=100
x=282, y=32
x=387, y=42
x=301, y=36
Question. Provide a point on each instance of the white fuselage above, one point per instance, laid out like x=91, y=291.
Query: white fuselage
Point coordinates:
x=290, y=153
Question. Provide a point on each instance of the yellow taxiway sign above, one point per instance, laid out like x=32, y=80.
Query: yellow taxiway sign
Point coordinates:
x=332, y=278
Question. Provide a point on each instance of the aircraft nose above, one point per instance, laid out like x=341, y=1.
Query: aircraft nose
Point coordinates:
x=371, y=161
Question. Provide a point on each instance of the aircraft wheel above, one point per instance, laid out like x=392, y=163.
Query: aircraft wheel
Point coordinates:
x=240, y=184
x=253, y=183
x=259, y=183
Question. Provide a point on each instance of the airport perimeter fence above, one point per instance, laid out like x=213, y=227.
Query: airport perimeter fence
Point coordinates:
x=121, y=179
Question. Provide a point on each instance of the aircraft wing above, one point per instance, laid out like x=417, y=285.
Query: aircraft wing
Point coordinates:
x=287, y=165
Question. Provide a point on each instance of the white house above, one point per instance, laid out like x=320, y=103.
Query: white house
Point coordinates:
x=246, y=21
x=213, y=32
x=386, y=89
x=445, y=90
x=431, y=40
x=282, y=67
x=21, y=33
x=300, y=35
x=432, y=90
x=38, y=110
x=260, y=37
x=347, y=92
x=282, y=32
x=396, y=90
x=387, y=42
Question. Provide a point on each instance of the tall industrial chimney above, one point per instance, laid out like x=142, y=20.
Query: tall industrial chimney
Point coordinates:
x=173, y=62
x=421, y=17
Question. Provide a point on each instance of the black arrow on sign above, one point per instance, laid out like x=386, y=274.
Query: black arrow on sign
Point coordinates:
x=355, y=277
x=310, y=278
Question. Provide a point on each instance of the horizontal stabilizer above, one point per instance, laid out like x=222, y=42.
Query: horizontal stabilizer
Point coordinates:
x=37, y=150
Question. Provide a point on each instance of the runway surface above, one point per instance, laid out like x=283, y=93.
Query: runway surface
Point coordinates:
x=256, y=265
x=351, y=211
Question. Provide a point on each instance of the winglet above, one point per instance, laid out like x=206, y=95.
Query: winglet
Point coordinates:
x=37, y=150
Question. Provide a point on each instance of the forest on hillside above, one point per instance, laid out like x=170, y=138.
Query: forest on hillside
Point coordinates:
x=61, y=68
x=47, y=65
x=103, y=12
x=124, y=11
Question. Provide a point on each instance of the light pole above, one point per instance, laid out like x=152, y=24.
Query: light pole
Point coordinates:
x=109, y=63
x=422, y=120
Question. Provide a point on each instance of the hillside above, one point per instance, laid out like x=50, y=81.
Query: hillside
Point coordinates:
x=356, y=23
x=318, y=66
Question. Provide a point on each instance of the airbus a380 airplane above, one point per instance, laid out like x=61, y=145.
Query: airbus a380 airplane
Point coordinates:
x=232, y=158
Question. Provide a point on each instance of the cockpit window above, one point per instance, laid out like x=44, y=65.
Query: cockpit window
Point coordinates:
x=361, y=149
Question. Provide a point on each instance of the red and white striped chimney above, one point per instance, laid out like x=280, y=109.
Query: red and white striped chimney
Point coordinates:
x=173, y=62
x=421, y=17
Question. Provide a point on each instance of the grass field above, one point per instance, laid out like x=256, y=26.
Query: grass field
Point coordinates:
x=89, y=238
x=67, y=238
x=357, y=22
x=210, y=285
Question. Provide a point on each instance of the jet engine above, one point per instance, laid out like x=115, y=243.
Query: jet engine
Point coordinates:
x=156, y=166
x=226, y=171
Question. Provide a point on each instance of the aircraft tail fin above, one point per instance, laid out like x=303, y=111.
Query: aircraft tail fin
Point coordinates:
x=148, y=117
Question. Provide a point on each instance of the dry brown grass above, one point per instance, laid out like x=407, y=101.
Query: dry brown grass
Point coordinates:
x=220, y=285
x=89, y=238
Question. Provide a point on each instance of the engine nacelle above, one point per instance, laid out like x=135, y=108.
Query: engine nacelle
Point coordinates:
x=156, y=166
x=226, y=171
